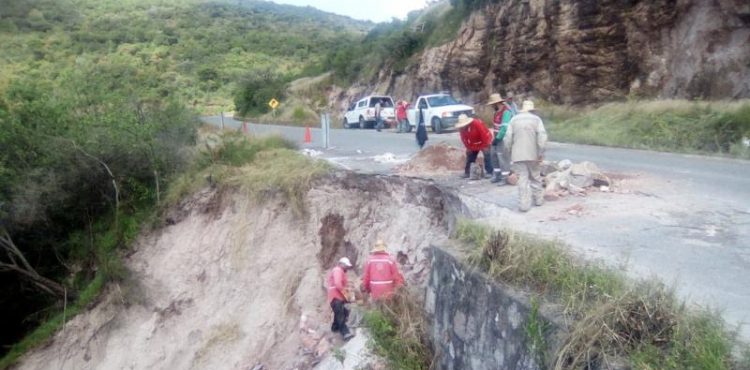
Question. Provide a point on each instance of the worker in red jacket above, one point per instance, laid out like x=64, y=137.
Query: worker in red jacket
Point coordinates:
x=381, y=275
x=336, y=283
x=476, y=137
x=403, y=123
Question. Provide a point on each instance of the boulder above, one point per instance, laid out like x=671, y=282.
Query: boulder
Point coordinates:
x=582, y=174
x=564, y=164
x=549, y=167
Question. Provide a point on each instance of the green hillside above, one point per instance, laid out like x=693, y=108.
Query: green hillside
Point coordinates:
x=194, y=50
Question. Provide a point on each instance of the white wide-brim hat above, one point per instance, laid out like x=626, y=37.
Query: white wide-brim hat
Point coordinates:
x=463, y=121
x=494, y=99
x=527, y=106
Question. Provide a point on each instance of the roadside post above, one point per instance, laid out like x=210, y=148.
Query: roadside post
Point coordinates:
x=325, y=125
x=222, y=121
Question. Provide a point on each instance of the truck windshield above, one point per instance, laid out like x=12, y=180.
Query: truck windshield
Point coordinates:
x=441, y=100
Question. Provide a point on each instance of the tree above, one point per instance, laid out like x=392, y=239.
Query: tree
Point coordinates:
x=256, y=89
x=15, y=261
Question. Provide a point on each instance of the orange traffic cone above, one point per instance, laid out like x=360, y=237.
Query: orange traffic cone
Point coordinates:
x=308, y=135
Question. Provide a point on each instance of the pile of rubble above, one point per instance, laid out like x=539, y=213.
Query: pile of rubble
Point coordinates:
x=565, y=177
x=441, y=158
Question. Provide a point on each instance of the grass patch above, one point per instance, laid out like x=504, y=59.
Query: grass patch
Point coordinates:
x=536, y=330
x=539, y=265
x=45, y=331
x=279, y=171
x=262, y=167
x=610, y=316
x=399, y=332
x=665, y=125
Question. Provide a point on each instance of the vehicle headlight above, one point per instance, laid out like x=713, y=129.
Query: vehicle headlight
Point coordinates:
x=447, y=114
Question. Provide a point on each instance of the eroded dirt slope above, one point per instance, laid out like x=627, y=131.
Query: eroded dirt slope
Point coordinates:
x=225, y=284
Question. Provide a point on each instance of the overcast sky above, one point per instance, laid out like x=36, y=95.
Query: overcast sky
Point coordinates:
x=373, y=10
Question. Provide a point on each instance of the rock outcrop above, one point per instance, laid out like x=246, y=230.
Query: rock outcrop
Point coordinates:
x=589, y=51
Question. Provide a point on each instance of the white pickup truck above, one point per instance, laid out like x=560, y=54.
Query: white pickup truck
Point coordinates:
x=440, y=111
x=362, y=112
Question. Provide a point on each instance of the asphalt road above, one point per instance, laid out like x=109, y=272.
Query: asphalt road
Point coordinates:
x=713, y=176
x=687, y=220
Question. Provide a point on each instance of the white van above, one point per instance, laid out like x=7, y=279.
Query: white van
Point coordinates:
x=362, y=112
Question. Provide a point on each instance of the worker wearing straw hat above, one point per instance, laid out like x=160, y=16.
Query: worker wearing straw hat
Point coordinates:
x=381, y=274
x=503, y=114
x=525, y=140
x=476, y=138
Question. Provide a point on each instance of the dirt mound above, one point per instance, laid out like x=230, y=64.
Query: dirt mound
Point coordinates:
x=439, y=158
x=239, y=285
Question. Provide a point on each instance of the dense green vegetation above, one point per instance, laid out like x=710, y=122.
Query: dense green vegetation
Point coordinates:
x=198, y=49
x=394, y=45
x=667, y=125
x=96, y=113
x=609, y=316
x=82, y=158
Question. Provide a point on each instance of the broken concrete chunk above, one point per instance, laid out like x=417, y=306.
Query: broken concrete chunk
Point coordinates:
x=582, y=174
x=564, y=164
x=573, y=178
x=549, y=167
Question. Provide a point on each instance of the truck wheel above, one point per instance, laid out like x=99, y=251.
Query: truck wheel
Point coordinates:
x=362, y=122
x=437, y=125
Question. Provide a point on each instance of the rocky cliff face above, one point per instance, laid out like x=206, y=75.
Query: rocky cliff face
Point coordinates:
x=589, y=51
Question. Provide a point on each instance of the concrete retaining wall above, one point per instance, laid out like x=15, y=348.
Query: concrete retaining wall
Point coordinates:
x=477, y=324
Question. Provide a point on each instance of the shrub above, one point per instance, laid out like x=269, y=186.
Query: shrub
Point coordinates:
x=299, y=114
x=399, y=332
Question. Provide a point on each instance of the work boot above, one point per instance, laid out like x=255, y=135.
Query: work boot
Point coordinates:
x=497, y=176
x=348, y=336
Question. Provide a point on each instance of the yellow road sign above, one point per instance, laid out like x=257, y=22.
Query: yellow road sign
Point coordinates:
x=273, y=103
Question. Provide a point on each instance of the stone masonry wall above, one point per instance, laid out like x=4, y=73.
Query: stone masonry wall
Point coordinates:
x=477, y=324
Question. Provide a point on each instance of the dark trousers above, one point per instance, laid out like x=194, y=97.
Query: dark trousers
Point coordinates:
x=499, y=160
x=471, y=157
x=379, y=123
x=340, y=315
